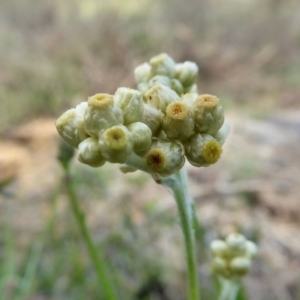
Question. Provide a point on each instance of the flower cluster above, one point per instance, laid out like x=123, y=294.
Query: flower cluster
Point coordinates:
x=164, y=121
x=180, y=77
x=232, y=258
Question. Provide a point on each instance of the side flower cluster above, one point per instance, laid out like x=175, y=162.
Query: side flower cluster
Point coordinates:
x=232, y=258
x=165, y=121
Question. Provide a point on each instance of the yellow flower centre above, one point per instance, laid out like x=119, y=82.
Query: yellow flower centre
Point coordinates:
x=100, y=100
x=212, y=151
x=156, y=159
x=208, y=101
x=177, y=110
x=116, y=138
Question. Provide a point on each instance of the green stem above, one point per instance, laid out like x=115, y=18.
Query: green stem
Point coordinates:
x=229, y=289
x=95, y=254
x=178, y=184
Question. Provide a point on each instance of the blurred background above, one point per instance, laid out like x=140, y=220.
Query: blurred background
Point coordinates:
x=54, y=54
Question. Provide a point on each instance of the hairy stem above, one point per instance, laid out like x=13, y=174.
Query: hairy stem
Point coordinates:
x=178, y=184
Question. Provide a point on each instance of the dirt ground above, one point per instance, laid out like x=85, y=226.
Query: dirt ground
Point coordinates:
x=255, y=187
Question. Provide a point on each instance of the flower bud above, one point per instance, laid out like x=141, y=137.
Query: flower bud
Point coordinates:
x=202, y=150
x=178, y=122
x=70, y=125
x=80, y=110
x=142, y=73
x=164, y=80
x=187, y=73
x=232, y=258
x=90, y=154
x=208, y=114
x=101, y=114
x=176, y=85
x=236, y=244
x=131, y=103
x=152, y=117
x=143, y=87
x=165, y=158
x=240, y=266
x=222, y=134
x=220, y=267
x=251, y=249
x=142, y=136
x=116, y=144
x=219, y=248
x=160, y=96
x=162, y=64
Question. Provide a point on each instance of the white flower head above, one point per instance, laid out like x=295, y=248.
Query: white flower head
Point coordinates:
x=187, y=73
x=90, y=154
x=101, y=114
x=131, y=103
x=70, y=126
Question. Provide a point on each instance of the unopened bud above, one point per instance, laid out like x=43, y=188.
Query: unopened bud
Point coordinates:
x=220, y=267
x=251, y=249
x=131, y=103
x=143, y=87
x=232, y=258
x=163, y=64
x=165, y=158
x=90, y=154
x=222, y=134
x=178, y=122
x=208, y=114
x=70, y=125
x=116, y=144
x=142, y=73
x=202, y=150
x=236, y=243
x=141, y=136
x=219, y=248
x=80, y=110
x=187, y=73
x=160, y=96
x=101, y=114
x=176, y=85
x=240, y=266
x=152, y=117
x=164, y=80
